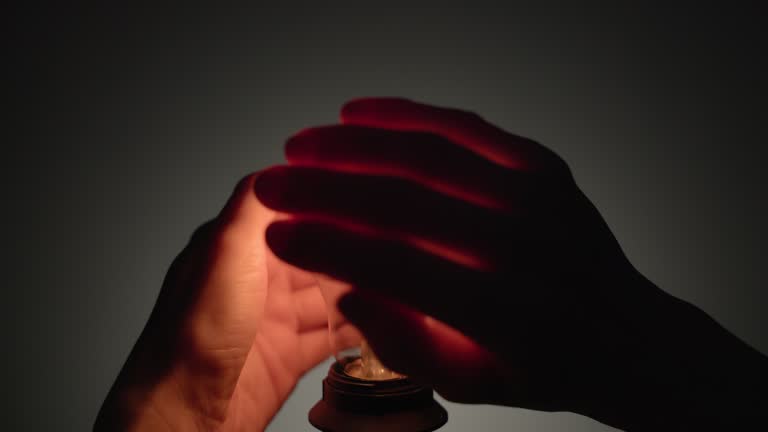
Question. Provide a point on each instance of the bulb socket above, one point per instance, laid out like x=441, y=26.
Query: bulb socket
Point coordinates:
x=352, y=404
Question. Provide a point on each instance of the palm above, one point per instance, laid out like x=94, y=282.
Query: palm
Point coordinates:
x=291, y=338
x=232, y=331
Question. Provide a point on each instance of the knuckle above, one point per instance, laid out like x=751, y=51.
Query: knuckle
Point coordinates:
x=244, y=186
x=465, y=116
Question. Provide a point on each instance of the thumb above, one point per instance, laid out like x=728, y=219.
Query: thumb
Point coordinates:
x=195, y=342
x=225, y=299
x=205, y=319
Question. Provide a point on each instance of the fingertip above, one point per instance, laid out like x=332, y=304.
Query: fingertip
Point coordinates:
x=395, y=333
x=356, y=307
x=303, y=144
x=268, y=185
x=238, y=199
x=372, y=312
x=294, y=147
x=245, y=182
x=280, y=236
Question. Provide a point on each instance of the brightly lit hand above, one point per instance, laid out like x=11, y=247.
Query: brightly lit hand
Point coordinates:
x=232, y=331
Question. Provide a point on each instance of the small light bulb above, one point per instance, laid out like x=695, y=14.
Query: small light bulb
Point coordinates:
x=347, y=343
x=360, y=393
x=368, y=366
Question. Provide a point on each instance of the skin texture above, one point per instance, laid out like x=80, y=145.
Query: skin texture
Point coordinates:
x=231, y=333
x=477, y=266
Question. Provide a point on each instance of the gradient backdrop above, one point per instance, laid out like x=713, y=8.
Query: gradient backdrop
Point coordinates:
x=128, y=128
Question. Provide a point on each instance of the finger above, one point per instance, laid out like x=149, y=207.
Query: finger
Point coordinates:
x=236, y=258
x=315, y=347
x=311, y=309
x=462, y=127
x=301, y=280
x=425, y=349
x=285, y=279
x=243, y=213
x=425, y=158
x=210, y=305
x=391, y=206
x=423, y=280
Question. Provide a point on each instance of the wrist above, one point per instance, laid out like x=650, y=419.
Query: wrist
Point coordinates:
x=148, y=397
x=159, y=406
x=685, y=370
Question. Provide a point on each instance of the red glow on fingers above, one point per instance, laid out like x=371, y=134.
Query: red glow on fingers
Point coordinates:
x=421, y=346
x=450, y=254
x=421, y=158
x=462, y=127
x=384, y=169
x=459, y=351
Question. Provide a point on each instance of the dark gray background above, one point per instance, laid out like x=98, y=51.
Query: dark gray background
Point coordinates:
x=125, y=129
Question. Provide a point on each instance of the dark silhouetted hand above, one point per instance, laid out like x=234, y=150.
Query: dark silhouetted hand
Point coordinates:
x=480, y=268
x=232, y=331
